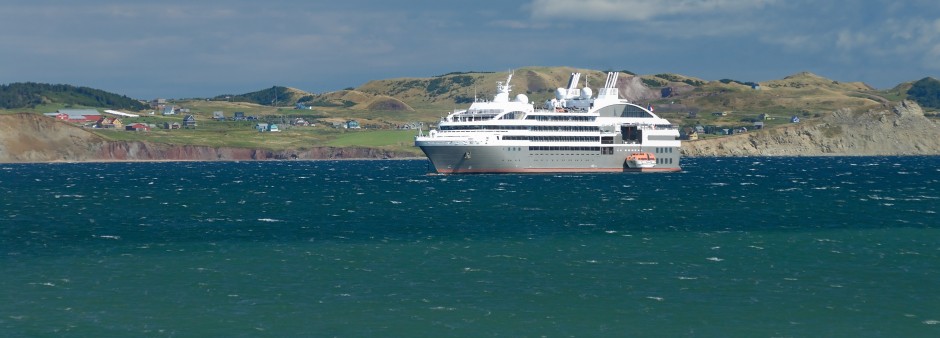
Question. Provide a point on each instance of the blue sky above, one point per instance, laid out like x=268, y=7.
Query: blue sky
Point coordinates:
x=181, y=49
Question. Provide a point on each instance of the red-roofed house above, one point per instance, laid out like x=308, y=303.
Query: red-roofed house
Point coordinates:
x=137, y=127
x=76, y=115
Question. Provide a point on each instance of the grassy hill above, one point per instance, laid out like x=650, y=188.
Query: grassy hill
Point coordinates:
x=274, y=96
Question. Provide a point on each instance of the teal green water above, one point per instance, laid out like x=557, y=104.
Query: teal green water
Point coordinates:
x=743, y=247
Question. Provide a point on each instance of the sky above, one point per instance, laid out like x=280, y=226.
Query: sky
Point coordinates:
x=204, y=48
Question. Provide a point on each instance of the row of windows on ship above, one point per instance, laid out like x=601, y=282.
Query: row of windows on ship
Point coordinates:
x=604, y=150
x=535, y=128
x=518, y=116
x=594, y=139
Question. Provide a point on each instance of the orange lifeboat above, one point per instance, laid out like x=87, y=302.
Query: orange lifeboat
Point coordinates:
x=641, y=160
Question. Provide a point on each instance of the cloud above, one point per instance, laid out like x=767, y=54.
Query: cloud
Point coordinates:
x=638, y=10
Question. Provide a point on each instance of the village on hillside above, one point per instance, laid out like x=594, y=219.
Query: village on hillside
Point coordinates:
x=175, y=116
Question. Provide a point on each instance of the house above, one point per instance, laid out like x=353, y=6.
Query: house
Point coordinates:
x=218, y=115
x=137, y=127
x=352, y=124
x=299, y=122
x=189, y=122
x=171, y=126
x=700, y=129
x=238, y=116
x=763, y=117
x=693, y=115
x=169, y=110
x=76, y=115
x=795, y=119
x=273, y=128
x=109, y=123
x=758, y=125
x=261, y=127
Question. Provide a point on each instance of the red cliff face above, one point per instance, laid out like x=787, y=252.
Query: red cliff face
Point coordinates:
x=35, y=138
x=142, y=151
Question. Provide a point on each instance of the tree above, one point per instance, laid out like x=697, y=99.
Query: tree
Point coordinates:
x=926, y=92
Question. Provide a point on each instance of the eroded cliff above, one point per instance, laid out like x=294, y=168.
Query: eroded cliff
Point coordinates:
x=901, y=129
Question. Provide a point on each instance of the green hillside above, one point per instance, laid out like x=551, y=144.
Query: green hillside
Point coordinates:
x=30, y=95
x=926, y=92
x=274, y=96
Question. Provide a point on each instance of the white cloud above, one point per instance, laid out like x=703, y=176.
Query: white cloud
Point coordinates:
x=638, y=10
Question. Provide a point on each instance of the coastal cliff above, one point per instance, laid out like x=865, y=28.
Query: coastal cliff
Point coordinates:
x=35, y=138
x=901, y=129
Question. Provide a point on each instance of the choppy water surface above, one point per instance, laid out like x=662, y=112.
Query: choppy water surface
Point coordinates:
x=728, y=247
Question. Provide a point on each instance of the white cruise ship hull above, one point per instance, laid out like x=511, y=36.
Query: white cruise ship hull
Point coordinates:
x=455, y=159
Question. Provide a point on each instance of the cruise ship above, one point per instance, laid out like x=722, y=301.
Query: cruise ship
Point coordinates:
x=573, y=132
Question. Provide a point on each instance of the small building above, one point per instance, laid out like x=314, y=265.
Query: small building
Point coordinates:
x=109, y=123
x=795, y=119
x=171, y=126
x=693, y=115
x=273, y=128
x=169, y=110
x=261, y=127
x=299, y=121
x=351, y=124
x=76, y=115
x=699, y=129
x=238, y=116
x=137, y=127
x=218, y=115
x=758, y=125
x=189, y=122
x=763, y=117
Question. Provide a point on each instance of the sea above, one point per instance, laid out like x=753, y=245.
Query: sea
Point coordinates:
x=728, y=247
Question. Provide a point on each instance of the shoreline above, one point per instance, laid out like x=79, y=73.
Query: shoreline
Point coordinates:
x=425, y=158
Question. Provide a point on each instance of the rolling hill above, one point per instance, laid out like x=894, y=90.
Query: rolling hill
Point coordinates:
x=30, y=95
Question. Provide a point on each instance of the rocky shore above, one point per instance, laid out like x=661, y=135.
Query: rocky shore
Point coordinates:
x=901, y=129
